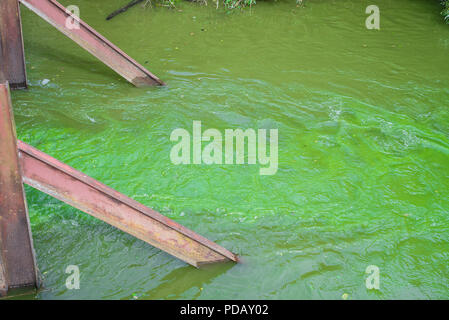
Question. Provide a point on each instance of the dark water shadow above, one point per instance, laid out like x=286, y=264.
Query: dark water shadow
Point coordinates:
x=65, y=58
x=182, y=279
x=21, y=294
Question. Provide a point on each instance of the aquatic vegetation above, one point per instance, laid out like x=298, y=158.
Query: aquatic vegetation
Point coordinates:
x=232, y=4
x=227, y=4
x=239, y=4
x=445, y=11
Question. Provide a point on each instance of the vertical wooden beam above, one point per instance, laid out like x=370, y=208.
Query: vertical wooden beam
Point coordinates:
x=12, y=57
x=16, y=244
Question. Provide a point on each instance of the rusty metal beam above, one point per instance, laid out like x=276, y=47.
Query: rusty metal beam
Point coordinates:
x=21, y=163
x=17, y=261
x=12, y=57
x=3, y=284
x=63, y=182
x=85, y=36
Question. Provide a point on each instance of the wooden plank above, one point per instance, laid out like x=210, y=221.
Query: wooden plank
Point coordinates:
x=17, y=253
x=85, y=36
x=12, y=57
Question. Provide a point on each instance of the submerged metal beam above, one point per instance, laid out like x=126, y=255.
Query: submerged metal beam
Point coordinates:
x=85, y=36
x=17, y=261
x=12, y=57
x=63, y=182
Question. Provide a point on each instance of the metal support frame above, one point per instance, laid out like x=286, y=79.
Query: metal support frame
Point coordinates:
x=12, y=63
x=21, y=163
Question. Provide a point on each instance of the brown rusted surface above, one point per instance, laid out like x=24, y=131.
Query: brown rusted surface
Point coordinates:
x=12, y=61
x=55, y=14
x=63, y=182
x=16, y=245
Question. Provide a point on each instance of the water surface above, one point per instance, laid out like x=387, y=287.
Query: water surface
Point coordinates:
x=363, y=149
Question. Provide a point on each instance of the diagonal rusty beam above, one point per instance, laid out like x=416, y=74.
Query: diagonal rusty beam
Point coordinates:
x=85, y=36
x=17, y=261
x=21, y=162
x=63, y=182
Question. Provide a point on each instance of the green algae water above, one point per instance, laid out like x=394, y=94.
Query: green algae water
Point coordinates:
x=363, y=129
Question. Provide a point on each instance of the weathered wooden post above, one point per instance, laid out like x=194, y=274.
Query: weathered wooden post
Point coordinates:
x=12, y=58
x=17, y=260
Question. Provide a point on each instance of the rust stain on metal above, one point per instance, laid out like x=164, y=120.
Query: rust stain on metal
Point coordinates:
x=12, y=57
x=65, y=183
x=55, y=14
x=16, y=244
